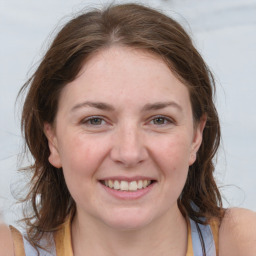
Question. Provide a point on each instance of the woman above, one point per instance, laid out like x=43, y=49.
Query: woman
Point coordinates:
x=120, y=120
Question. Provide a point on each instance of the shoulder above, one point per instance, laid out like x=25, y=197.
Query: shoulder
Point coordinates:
x=237, y=234
x=6, y=242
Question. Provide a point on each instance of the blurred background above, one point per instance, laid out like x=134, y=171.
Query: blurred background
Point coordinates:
x=224, y=32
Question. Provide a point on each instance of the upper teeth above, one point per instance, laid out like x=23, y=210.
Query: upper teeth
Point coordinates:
x=127, y=186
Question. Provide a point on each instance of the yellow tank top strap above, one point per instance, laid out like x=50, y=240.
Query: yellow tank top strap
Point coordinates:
x=190, y=244
x=62, y=238
x=17, y=242
x=215, y=225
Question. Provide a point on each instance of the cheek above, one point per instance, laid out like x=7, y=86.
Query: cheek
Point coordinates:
x=175, y=153
x=173, y=161
x=80, y=160
x=81, y=156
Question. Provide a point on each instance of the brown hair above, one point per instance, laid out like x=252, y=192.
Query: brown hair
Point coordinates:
x=137, y=27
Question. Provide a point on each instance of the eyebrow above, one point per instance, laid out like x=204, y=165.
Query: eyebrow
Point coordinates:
x=98, y=105
x=161, y=105
x=108, y=107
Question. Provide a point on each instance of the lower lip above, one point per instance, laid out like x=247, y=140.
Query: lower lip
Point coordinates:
x=129, y=195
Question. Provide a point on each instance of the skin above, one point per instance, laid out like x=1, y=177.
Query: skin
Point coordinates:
x=238, y=233
x=131, y=139
x=6, y=244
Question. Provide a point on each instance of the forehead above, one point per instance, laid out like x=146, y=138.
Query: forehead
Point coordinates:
x=121, y=74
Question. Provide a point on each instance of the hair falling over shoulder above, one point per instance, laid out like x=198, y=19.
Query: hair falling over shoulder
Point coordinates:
x=134, y=26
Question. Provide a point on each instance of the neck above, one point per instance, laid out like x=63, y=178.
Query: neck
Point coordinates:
x=165, y=236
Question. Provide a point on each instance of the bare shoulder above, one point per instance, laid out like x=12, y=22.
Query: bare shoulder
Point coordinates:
x=6, y=242
x=238, y=233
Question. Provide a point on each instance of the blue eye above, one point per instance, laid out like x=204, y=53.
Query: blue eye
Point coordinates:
x=94, y=121
x=160, y=120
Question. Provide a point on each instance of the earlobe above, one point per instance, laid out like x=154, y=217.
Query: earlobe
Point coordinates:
x=197, y=139
x=192, y=158
x=54, y=157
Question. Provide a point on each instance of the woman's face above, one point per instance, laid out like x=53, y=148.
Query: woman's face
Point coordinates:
x=125, y=138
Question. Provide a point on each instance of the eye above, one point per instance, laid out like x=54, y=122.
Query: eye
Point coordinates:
x=161, y=121
x=94, y=121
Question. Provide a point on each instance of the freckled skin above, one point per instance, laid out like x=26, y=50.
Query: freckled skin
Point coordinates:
x=127, y=141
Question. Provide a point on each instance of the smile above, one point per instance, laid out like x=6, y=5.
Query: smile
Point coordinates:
x=122, y=185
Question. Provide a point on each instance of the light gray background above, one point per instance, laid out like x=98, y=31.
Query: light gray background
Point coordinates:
x=224, y=31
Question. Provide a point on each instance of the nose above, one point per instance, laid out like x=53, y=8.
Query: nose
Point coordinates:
x=129, y=147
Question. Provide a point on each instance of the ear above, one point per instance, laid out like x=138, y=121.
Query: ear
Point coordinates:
x=54, y=157
x=197, y=139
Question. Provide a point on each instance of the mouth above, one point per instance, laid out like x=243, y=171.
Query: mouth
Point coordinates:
x=131, y=186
